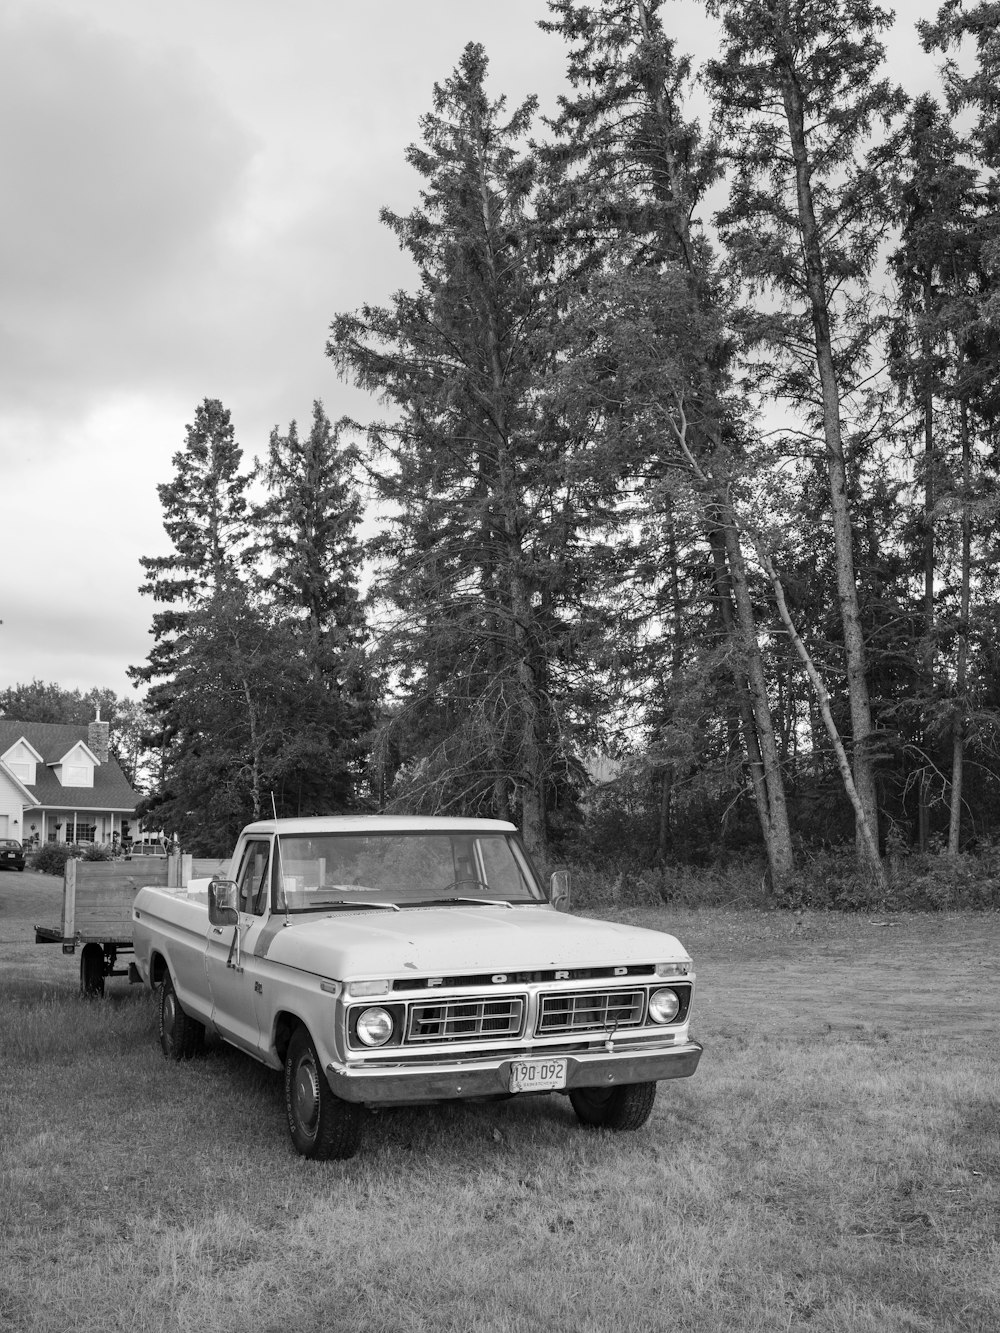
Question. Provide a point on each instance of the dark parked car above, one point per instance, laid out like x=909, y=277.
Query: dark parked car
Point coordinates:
x=11, y=854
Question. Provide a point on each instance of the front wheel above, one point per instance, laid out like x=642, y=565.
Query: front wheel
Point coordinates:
x=322, y=1125
x=181, y=1035
x=624, y=1107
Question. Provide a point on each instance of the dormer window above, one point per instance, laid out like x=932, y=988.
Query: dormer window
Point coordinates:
x=22, y=760
x=76, y=767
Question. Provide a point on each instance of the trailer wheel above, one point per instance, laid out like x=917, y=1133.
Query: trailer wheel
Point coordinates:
x=322, y=1125
x=92, y=971
x=181, y=1035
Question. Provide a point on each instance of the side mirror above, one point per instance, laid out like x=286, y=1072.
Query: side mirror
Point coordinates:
x=223, y=895
x=559, y=890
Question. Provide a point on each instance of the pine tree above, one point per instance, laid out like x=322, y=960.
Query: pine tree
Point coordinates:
x=934, y=266
x=633, y=169
x=205, y=517
x=974, y=86
x=235, y=684
x=798, y=97
x=313, y=558
x=485, y=500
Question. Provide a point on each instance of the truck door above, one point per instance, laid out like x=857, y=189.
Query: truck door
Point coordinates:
x=229, y=962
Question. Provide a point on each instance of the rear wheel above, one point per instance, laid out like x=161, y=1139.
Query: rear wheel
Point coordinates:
x=92, y=970
x=322, y=1125
x=624, y=1107
x=181, y=1035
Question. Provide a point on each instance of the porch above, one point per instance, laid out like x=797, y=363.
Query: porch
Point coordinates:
x=48, y=824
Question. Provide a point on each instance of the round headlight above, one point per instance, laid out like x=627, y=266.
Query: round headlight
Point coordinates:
x=664, y=1006
x=374, y=1026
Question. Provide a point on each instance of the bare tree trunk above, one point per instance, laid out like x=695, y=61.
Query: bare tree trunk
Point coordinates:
x=779, y=834
x=847, y=590
x=665, y=824
x=928, y=553
x=254, y=750
x=866, y=831
x=531, y=777
x=723, y=584
x=823, y=700
x=958, y=722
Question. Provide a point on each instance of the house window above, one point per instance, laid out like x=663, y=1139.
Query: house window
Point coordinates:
x=86, y=832
x=78, y=775
x=21, y=760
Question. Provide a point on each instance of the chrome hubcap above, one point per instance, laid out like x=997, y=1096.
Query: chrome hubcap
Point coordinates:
x=305, y=1094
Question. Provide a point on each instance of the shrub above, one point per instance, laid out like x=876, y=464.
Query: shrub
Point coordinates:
x=51, y=857
x=98, y=851
x=827, y=880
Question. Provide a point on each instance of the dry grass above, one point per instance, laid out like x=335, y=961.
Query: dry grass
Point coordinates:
x=817, y=1174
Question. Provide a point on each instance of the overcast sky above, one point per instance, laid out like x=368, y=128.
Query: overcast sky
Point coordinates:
x=190, y=193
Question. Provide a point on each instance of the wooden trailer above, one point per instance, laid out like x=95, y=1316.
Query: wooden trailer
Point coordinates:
x=97, y=909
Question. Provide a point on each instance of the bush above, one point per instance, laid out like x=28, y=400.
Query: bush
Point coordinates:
x=98, y=851
x=51, y=857
x=827, y=880
x=735, y=881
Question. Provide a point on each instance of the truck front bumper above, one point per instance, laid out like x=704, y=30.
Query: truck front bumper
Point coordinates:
x=386, y=1084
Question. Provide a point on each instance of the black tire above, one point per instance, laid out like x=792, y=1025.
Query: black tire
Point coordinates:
x=181, y=1036
x=322, y=1125
x=92, y=971
x=627, y=1106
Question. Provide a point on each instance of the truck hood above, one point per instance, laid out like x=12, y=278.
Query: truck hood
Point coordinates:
x=436, y=941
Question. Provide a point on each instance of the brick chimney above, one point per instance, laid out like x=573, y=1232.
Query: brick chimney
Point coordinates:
x=99, y=737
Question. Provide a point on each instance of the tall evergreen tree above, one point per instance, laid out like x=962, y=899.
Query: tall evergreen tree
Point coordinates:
x=486, y=499
x=205, y=518
x=313, y=558
x=310, y=522
x=972, y=85
x=798, y=96
x=235, y=684
x=935, y=266
x=635, y=167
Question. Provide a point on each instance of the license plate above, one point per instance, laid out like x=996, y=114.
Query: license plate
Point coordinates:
x=537, y=1075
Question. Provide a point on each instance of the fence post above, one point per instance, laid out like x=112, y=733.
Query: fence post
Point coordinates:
x=69, y=899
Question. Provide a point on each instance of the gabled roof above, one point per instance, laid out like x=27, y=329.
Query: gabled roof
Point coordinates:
x=53, y=741
x=26, y=794
x=39, y=759
x=80, y=745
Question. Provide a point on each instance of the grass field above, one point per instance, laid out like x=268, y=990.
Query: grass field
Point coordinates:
x=833, y=1165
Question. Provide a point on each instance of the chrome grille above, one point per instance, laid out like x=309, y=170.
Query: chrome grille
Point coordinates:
x=590, y=1011
x=465, y=1020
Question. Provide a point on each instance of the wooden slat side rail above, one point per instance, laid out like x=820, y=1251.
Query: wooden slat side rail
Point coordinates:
x=182, y=868
x=97, y=895
x=203, y=866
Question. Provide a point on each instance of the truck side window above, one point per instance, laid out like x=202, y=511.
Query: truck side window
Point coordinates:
x=253, y=878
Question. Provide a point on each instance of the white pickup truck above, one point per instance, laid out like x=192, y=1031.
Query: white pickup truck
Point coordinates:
x=381, y=960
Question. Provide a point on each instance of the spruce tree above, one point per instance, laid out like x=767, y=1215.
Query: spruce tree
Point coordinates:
x=485, y=502
x=632, y=167
x=969, y=36
x=205, y=517
x=799, y=96
x=312, y=565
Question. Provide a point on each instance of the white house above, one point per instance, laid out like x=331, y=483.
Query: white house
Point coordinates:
x=59, y=783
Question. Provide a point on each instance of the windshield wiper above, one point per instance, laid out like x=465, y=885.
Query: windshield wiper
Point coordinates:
x=350, y=902
x=468, y=902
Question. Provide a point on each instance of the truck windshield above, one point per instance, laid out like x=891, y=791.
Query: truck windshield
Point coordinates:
x=320, y=871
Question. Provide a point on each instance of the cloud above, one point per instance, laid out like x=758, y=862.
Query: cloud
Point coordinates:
x=122, y=171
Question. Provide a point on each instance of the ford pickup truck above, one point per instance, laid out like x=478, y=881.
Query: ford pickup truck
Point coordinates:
x=381, y=960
